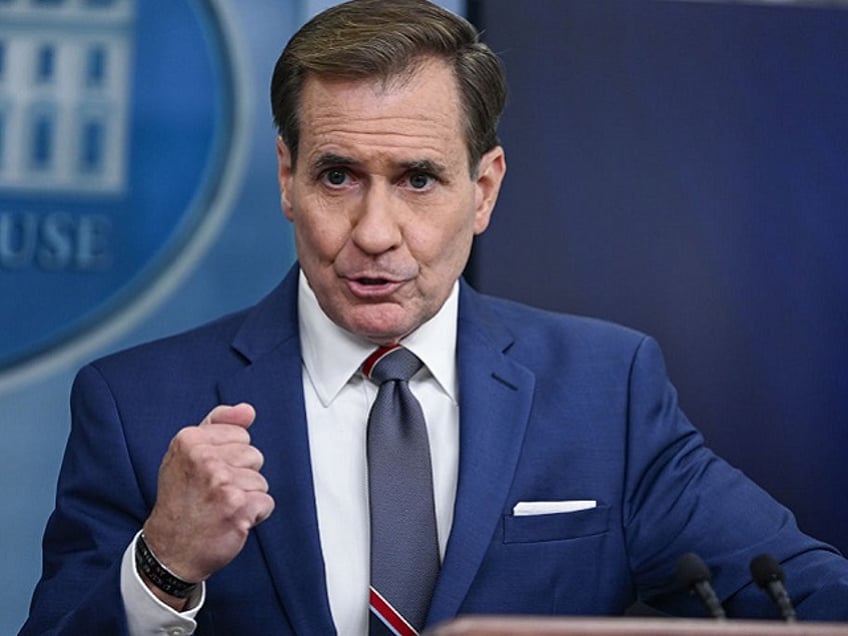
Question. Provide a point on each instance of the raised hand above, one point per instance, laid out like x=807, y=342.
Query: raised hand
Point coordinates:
x=210, y=494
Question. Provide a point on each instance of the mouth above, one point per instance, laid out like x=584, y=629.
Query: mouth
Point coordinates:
x=373, y=287
x=372, y=281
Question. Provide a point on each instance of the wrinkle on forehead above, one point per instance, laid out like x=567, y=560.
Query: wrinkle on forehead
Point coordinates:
x=421, y=112
x=386, y=133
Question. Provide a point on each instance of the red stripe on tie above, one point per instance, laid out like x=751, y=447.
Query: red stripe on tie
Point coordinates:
x=389, y=615
x=375, y=357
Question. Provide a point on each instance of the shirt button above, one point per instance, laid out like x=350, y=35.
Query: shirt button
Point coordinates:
x=176, y=631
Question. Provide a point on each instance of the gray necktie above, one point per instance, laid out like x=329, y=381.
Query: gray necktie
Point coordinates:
x=404, y=544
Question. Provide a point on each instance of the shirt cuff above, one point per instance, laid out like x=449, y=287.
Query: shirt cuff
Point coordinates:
x=146, y=614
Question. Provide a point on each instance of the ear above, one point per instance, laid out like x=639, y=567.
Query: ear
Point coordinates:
x=490, y=174
x=285, y=176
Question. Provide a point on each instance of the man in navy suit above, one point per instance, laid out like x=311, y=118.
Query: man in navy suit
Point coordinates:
x=216, y=481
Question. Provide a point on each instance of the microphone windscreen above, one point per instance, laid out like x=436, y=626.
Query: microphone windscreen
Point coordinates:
x=765, y=569
x=691, y=569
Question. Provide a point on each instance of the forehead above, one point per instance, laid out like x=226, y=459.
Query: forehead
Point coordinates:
x=418, y=112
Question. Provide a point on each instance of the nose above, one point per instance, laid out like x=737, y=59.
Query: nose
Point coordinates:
x=376, y=227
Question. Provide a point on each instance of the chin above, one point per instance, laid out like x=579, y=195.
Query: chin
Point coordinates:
x=381, y=336
x=379, y=330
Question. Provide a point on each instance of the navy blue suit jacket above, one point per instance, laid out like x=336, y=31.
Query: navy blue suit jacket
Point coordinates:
x=552, y=407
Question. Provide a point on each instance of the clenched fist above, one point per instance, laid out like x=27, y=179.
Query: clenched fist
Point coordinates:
x=210, y=495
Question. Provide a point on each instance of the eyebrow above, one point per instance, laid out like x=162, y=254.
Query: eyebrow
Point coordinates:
x=329, y=160
x=425, y=165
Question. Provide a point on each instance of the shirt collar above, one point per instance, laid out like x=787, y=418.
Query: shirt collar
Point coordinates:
x=332, y=355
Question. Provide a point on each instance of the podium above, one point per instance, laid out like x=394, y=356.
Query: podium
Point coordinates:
x=559, y=626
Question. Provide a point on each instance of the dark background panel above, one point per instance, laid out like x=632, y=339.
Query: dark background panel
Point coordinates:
x=682, y=168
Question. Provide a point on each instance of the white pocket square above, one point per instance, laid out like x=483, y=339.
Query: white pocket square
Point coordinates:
x=529, y=508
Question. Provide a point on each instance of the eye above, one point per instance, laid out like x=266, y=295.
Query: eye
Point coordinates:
x=420, y=180
x=335, y=177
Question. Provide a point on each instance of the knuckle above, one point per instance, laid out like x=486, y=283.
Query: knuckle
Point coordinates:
x=259, y=460
x=250, y=457
x=184, y=439
x=265, y=508
x=202, y=456
x=232, y=499
x=219, y=477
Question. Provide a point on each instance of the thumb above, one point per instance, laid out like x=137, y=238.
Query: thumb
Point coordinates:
x=241, y=414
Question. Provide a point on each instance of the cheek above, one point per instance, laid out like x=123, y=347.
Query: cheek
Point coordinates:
x=320, y=234
x=444, y=247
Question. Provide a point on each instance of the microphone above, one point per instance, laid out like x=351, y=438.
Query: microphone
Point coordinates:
x=694, y=575
x=768, y=575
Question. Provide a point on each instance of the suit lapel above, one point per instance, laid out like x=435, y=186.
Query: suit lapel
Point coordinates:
x=495, y=400
x=272, y=382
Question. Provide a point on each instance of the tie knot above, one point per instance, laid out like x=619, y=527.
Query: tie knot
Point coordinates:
x=391, y=363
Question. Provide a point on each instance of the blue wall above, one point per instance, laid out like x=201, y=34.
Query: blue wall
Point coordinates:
x=682, y=168
x=245, y=257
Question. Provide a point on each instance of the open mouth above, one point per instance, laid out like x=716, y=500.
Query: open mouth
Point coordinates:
x=373, y=287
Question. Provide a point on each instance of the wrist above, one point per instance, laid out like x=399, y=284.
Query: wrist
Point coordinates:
x=157, y=575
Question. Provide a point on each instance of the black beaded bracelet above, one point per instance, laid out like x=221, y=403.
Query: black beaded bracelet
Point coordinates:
x=158, y=574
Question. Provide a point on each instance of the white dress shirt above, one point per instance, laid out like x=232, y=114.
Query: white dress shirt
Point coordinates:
x=338, y=398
